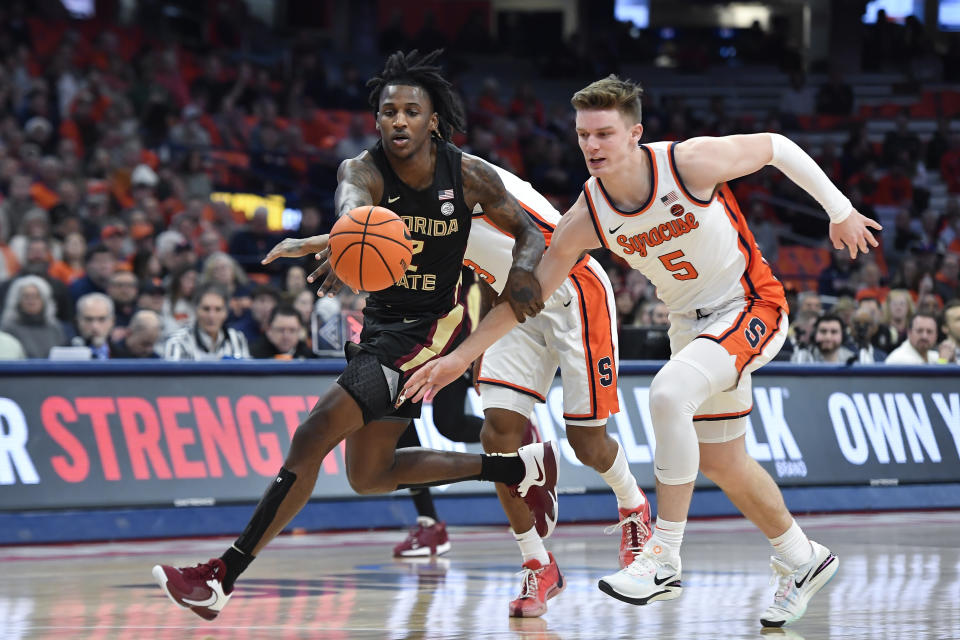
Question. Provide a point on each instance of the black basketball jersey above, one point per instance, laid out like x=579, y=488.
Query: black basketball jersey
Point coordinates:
x=439, y=222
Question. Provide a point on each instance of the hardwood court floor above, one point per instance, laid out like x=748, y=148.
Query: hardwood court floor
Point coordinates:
x=898, y=578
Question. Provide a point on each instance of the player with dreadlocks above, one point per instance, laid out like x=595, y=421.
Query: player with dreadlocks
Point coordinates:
x=414, y=171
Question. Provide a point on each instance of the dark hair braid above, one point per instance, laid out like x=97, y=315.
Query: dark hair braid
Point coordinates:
x=421, y=71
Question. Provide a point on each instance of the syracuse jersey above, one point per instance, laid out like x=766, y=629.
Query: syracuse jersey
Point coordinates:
x=698, y=253
x=576, y=331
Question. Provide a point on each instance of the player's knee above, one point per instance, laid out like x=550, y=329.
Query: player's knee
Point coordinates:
x=306, y=446
x=364, y=483
x=499, y=436
x=711, y=468
x=720, y=463
x=664, y=403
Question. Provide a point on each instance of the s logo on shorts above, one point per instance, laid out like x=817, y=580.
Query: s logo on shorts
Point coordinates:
x=754, y=331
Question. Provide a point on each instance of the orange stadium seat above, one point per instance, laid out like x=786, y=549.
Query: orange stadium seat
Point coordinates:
x=799, y=267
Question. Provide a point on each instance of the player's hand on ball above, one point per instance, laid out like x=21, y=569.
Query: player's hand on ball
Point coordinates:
x=854, y=234
x=331, y=284
x=431, y=377
x=296, y=248
x=522, y=293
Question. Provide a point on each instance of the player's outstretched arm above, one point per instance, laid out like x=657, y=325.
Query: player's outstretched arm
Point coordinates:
x=482, y=185
x=359, y=184
x=705, y=162
x=573, y=235
x=296, y=248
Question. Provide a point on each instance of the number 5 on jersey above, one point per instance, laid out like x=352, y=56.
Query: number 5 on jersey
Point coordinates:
x=682, y=270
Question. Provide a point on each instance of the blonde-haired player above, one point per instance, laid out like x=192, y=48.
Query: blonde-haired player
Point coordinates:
x=664, y=208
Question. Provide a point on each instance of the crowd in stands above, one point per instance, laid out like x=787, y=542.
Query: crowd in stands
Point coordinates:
x=113, y=140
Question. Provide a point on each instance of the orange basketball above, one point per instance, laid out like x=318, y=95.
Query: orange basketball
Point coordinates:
x=370, y=248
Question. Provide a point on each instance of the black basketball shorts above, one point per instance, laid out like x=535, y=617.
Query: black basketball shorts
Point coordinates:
x=390, y=350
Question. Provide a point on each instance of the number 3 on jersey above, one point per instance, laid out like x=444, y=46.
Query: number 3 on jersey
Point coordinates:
x=682, y=270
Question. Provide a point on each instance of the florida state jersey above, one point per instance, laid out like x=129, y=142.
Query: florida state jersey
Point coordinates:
x=697, y=253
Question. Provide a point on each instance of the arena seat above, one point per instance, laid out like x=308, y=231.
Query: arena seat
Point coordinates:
x=799, y=267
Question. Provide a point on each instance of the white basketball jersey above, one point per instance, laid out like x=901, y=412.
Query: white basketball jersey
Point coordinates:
x=698, y=253
x=489, y=250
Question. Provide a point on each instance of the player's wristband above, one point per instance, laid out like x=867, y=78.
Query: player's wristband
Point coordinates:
x=799, y=167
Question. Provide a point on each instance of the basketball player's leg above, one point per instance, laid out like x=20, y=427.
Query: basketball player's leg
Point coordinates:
x=334, y=417
x=509, y=389
x=450, y=415
x=362, y=395
x=375, y=465
x=751, y=489
x=724, y=459
x=541, y=579
x=429, y=536
x=422, y=499
x=206, y=588
x=582, y=335
x=503, y=432
x=709, y=355
x=748, y=485
x=728, y=343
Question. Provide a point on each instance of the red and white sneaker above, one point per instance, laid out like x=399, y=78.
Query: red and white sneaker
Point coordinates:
x=540, y=583
x=635, y=530
x=428, y=538
x=539, y=485
x=198, y=588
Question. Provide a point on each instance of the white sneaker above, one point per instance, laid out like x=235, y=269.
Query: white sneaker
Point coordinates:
x=796, y=586
x=650, y=577
x=539, y=485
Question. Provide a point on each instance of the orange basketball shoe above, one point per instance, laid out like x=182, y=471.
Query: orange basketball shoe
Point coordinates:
x=635, y=530
x=198, y=588
x=540, y=583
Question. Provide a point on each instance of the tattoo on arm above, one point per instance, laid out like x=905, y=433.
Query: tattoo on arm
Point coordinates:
x=482, y=185
x=359, y=183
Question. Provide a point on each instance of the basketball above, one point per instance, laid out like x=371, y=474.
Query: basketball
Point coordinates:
x=370, y=248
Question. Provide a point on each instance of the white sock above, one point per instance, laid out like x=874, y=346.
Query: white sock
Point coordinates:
x=792, y=546
x=669, y=536
x=426, y=521
x=531, y=546
x=621, y=480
